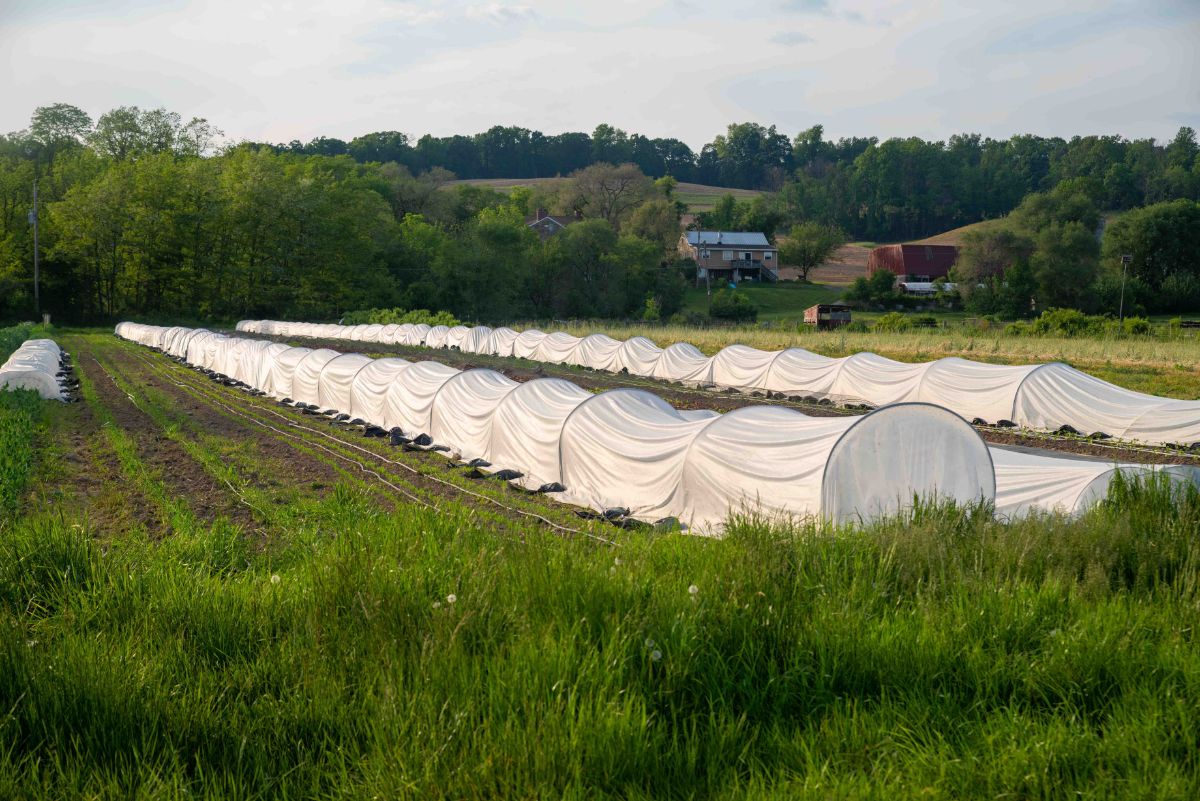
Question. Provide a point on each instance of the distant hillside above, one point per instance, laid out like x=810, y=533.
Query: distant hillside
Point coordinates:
x=698, y=197
x=957, y=236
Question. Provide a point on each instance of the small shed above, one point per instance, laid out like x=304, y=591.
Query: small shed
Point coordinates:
x=827, y=315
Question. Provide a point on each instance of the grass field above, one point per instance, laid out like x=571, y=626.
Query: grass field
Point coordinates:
x=785, y=300
x=202, y=595
x=957, y=236
x=698, y=197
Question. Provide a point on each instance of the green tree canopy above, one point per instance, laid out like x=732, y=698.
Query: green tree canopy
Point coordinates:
x=810, y=244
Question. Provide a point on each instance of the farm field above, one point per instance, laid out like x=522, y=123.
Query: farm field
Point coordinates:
x=698, y=197
x=204, y=593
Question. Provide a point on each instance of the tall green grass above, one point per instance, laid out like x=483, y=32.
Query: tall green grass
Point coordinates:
x=18, y=420
x=12, y=337
x=409, y=654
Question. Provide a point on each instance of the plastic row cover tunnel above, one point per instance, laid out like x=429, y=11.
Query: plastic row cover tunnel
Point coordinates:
x=1029, y=481
x=624, y=448
x=37, y=365
x=1044, y=396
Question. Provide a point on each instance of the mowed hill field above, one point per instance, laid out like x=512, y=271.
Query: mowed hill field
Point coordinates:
x=957, y=236
x=698, y=197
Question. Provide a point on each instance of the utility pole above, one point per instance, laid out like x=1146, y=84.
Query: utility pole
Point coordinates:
x=33, y=218
x=1125, y=259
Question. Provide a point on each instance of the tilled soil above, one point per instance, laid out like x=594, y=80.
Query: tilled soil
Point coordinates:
x=422, y=478
x=87, y=477
x=181, y=474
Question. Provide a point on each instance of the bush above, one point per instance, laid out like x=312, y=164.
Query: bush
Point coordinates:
x=893, y=322
x=691, y=318
x=12, y=337
x=652, y=311
x=1139, y=326
x=398, y=316
x=859, y=291
x=1068, y=323
x=728, y=305
x=855, y=327
x=1074, y=323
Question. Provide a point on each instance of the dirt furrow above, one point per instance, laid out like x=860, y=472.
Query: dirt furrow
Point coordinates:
x=392, y=465
x=182, y=476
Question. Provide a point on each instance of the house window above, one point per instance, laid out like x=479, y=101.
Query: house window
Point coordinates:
x=704, y=253
x=727, y=255
x=768, y=255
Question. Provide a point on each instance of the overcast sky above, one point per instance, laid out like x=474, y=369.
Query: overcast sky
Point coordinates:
x=279, y=71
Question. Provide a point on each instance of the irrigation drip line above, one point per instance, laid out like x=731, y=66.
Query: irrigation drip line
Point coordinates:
x=115, y=384
x=292, y=423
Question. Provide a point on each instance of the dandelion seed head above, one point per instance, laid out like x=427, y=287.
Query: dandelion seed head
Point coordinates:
x=650, y=643
x=693, y=589
x=656, y=655
x=451, y=598
x=275, y=578
x=437, y=604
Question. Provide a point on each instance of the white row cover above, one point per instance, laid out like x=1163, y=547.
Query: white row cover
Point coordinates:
x=624, y=448
x=35, y=365
x=1041, y=396
x=1037, y=481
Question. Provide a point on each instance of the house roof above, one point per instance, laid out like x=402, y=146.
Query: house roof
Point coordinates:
x=561, y=222
x=737, y=239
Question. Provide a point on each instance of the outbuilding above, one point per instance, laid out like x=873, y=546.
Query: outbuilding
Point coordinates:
x=827, y=315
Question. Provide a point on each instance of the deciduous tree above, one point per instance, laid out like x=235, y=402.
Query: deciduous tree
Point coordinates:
x=808, y=245
x=610, y=192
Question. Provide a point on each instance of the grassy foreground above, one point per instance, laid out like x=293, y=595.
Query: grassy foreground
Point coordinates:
x=348, y=650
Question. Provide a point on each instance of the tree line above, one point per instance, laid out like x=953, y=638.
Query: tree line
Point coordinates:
x=135, y=221
x=883, y=190
x=143, y=215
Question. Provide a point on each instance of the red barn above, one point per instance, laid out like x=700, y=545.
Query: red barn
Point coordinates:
x=913, y=262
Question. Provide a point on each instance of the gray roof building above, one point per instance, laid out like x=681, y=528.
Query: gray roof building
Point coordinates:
x=733, y=239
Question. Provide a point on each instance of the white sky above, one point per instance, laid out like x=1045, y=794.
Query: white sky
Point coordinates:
x=276, y=70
